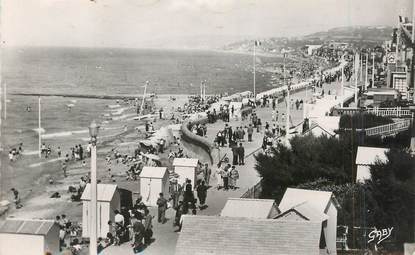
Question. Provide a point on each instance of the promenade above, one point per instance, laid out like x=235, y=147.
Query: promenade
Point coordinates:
x=165, y=235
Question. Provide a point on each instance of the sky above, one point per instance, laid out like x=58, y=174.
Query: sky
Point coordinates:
x=182, y=23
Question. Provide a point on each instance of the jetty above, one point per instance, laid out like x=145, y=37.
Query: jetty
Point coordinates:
x=90, y=96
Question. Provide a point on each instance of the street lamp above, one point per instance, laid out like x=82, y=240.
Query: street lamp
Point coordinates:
x=373, y=69
x=93, y=132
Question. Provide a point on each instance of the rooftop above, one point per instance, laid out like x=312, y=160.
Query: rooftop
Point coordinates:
x=185, y=162
x=153, y=172
x=242, y=236
x=307, y=211
x=105, y=192
x=250, y=208
x=317, y=200
x=24, y=226
x=369, y=155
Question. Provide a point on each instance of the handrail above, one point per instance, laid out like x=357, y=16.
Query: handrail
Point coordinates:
x=387, y=129
x=379, y=111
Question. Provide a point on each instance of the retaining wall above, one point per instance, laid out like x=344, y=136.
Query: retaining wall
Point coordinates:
x=194, y=139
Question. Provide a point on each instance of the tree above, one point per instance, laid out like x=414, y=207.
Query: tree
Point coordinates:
x=309, y=158
x=363, y=120
x=391, y=196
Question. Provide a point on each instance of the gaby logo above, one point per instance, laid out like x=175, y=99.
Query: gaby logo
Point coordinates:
x=380, y=235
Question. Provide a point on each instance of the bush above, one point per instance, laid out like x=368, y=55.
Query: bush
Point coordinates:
x=362, y=120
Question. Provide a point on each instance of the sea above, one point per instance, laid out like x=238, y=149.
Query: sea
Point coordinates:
x=90, y=71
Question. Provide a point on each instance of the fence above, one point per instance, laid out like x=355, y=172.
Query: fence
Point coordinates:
x=389, y=129
x=253, y=192
x=390, y=112
x=386, y=112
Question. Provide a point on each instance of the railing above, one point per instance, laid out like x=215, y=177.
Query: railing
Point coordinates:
x=386, y=112
x=391, y=112
x=389, y=129
x=253, y=192
x=188, y=136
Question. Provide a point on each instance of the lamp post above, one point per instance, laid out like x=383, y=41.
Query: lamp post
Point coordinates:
x=367, y=66
x=93, y=132
x=373, y=69
x=287, y=117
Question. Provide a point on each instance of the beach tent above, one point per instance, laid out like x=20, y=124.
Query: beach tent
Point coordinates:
x=326, y=125
x=153, y=180
x=237, y=110
x=246, y=94
x=186, y=168
x=29, y=237
x=108, y=200
x=217, y=105
x=126, y=198
x=366, y=157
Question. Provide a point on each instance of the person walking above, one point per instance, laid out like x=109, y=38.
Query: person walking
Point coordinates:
x=250, y=131
x=16, y=198
x=148, y=227
x=230, y=133
x=218, y=177
x=59, y=151
x=202, y=194
x=139, y=230
x=207, y=172
x=234, y=176
x=234, y=155
x=81, y=152
x=64, y=168
x=225, y=177
x=241, y=154
x=162, y=207
x=258, y=125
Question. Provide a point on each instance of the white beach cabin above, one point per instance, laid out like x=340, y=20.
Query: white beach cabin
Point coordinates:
x=366, y=157
x=237, y=113
x=29, y=237
x=186, y=168
x=314, y=206
x=153, y=180
x=108, y=199
x=250, y=208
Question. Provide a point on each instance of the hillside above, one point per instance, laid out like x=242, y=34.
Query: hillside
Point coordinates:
x=362, y=35
x=359, y=33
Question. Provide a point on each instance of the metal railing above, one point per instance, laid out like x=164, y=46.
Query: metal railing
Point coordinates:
x=378, y=111
x=389, y=129
x=390, y=112
x=253, y=192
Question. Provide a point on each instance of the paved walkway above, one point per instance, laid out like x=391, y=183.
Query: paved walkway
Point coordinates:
x=248, y=175
x=164, y=234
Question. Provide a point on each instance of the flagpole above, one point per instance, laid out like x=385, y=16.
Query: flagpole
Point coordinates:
x=366, y=71
x=201, y=90
x=357, y=60
x=5, y=101
x=254, y=73
x=397, y=46
x=373, y=69
x=40, y=130
x=361, y=69
x=287, y=121
x=204, y=90
x=342, y=87
x=144, y=97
